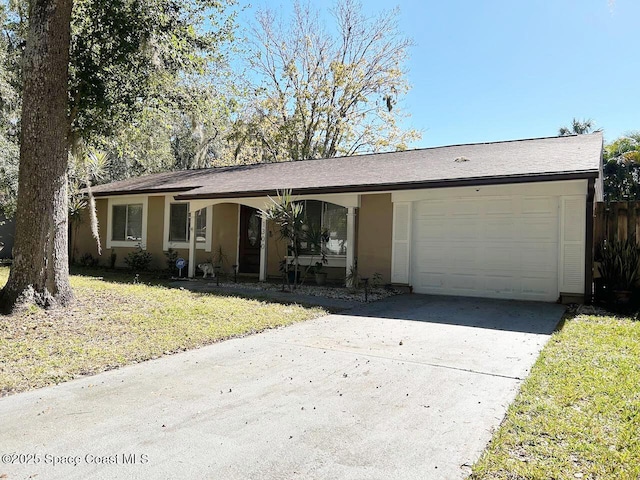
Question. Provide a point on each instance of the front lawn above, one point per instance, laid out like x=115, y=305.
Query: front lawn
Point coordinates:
x=577, y=416
x=113, y=324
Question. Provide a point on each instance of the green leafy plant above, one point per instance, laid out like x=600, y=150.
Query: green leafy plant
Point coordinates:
x=353, y=277
x=171, y=256
x=138, y=260
x=376, y=280
x=88, y=260
x=289, y=217
x=219, y=260
x=620, y=264
x=112, y=258
x=315, y=238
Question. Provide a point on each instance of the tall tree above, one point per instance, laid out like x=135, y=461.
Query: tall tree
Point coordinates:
x=323, y=94
x=127, y=56
x=40, y=265
x=578, y=127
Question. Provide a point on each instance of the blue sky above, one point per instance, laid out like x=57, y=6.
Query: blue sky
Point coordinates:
x=488, y=70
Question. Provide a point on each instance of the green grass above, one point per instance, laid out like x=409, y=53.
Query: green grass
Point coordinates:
x=578, y=413
x=113, y=324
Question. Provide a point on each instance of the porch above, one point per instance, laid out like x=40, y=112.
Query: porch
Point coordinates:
x=258, y=247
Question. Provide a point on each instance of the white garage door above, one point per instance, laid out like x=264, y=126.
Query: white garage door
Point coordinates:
x=502, y=247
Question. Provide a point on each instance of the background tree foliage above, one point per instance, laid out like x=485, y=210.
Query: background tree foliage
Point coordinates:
x=621, y=162
x=139, y=72
x=9, y=120
x=578, y=127
x=127, y=56
x=151, y=86
x=622, y=168
x=324, y=90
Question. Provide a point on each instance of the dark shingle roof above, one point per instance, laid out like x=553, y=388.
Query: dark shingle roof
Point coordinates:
x=499, y=162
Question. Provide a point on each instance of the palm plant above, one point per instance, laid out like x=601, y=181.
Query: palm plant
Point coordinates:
x=87, y=167
x=289, y=216
x=578, y=127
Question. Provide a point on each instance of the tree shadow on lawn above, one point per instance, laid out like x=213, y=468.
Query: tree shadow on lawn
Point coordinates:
x=123, y=276
x=160, y=278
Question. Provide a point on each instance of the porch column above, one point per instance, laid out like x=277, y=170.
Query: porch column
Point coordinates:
x=351, y=239
x=263, y=249
x=192, y=242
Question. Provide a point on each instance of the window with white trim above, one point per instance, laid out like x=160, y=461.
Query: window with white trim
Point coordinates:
x=325, y=226
x=179, y=223
x=127, y=222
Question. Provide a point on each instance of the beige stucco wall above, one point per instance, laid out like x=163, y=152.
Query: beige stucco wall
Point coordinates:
x=155, y=229
x=373, y=234
x=375, y=221
x=225, y=231
x=225, y=234
x=84, y=243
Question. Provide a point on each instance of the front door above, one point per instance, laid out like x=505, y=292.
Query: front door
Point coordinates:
x=250, y=238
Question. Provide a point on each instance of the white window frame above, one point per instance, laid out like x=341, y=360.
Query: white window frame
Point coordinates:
x=127, y=200
x=334, y=259
x=166, y=244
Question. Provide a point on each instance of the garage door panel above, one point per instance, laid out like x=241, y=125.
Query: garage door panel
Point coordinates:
x=539, y=258
x=488, y=247
x=432, y=208
x=500, y=285
x=462, y=281
x=468, y=208
x=500, y=229
x=434, y=281
x=499, y=206
x=433, y=229
x=540, y=206
x=462, y=229
x=463, y=255
x=540, y=229
x=430, y=258
x=498, y=256
x=535, y=285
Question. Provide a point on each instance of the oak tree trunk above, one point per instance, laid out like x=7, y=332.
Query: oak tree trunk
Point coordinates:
x=40, y=270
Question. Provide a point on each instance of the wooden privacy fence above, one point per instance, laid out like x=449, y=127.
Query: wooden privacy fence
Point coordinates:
x=616, y=220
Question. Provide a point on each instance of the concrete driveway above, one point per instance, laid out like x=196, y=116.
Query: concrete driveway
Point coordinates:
x=410, y=387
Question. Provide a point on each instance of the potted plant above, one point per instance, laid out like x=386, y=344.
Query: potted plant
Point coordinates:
x=320, y=273
x=619, y=267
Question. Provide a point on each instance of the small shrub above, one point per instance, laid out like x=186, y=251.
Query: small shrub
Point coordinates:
x=172, y=256
x=376, y=280
x=112, y=258
x=87, y=260
x=138, y=260
x=220, y=259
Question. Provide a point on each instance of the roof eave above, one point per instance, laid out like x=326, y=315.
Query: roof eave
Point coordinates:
x=141, y=191
x=381, y=187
